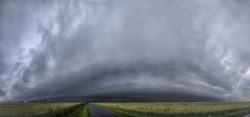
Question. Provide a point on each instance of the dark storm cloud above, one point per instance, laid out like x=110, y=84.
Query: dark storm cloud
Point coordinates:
x=75, y=48
x=2, y=93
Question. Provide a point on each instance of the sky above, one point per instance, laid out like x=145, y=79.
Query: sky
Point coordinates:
x=87, y=47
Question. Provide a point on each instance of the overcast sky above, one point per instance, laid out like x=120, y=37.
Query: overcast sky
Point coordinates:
x=51, y=48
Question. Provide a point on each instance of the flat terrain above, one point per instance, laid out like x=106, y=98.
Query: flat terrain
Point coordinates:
x=180, y=109
x=30, y=109
x=159, y=109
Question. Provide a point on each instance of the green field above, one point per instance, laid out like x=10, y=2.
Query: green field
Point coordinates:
x=158, y=109
x=44, y=110
x=179, y=109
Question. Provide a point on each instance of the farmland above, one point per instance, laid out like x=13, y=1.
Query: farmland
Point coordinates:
x=43, y=109
x=146, y=109
x=179, y=109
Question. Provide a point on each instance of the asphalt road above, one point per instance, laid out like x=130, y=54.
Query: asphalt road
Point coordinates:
x=100, y=112
x=247, y=115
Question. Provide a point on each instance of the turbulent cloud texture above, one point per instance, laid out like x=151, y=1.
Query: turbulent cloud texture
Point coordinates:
x=82, y=47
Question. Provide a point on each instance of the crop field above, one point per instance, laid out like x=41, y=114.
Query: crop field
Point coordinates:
x=43, y=110
x=157, y=109
x=179, y=109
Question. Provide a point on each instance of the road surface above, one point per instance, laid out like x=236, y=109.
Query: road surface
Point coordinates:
x=100, y=112
x=246, y=115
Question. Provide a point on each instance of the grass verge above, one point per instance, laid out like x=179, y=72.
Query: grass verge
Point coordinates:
x=80, y=110
x=71, y=111
x=85, y=112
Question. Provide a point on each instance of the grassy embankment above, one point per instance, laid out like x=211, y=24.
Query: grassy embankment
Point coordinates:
x=44, y=110
x=179, y=109
x=81, y=111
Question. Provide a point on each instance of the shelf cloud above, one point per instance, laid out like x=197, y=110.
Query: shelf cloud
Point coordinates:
x=87, y=47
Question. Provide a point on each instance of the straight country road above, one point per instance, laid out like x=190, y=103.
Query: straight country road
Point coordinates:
x=100, y=112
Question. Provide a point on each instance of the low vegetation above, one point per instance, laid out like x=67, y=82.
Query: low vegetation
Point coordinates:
x=179, y=109
x=85, y=112
x=164, y=109
x=44, y=110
